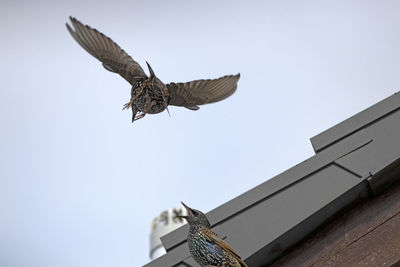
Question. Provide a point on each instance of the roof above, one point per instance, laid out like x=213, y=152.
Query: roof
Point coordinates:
x=366, y=234
x=354, y=160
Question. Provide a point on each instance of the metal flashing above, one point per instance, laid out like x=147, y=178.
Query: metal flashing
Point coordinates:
x=357, y=158
x=356, y=123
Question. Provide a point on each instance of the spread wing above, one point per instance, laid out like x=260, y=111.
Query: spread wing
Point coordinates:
x=200, y=92
x=104, y=49
x=214, y=239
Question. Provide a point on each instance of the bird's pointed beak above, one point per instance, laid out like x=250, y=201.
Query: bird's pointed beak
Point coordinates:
x=182, y=216
x=150, y=70
x=189, y=210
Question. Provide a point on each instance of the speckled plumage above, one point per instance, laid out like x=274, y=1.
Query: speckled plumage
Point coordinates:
x=206, y=247
x=148, y=94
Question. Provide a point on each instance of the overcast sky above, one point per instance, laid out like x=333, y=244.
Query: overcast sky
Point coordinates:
x=80, y=184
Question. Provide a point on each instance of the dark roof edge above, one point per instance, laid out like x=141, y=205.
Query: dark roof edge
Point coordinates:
x=270, y=187
x=355, y=123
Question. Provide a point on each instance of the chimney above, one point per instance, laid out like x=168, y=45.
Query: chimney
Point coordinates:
x=163, y=224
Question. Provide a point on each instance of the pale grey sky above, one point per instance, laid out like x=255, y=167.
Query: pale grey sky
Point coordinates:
x=80, y=184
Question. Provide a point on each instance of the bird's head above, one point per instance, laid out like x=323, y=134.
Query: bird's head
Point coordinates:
x=195, y=217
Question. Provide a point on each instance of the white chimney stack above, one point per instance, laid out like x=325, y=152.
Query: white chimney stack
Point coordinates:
x=163, y=224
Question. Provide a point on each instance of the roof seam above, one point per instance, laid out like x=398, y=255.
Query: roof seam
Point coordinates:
x=347, y=169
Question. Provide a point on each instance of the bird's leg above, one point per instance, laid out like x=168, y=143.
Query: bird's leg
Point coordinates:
x=134, y=112
x=127, y=105
x=141, y=115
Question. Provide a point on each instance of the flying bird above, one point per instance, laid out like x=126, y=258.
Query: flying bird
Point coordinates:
x=206, y=247
x=149, y=95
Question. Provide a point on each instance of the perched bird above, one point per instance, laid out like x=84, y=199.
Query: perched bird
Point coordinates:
x=206, y=248
x=148, y=93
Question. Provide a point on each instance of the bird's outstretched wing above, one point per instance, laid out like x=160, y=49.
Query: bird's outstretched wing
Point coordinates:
x=107, y=51
x=214, y=239
x=200, y=92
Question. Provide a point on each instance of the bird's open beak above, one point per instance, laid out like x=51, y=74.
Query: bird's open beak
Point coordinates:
x=181, y=216
x=189, y=210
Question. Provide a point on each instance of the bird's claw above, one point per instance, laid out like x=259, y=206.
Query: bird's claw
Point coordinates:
x=127, y=105
x=141, y=115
